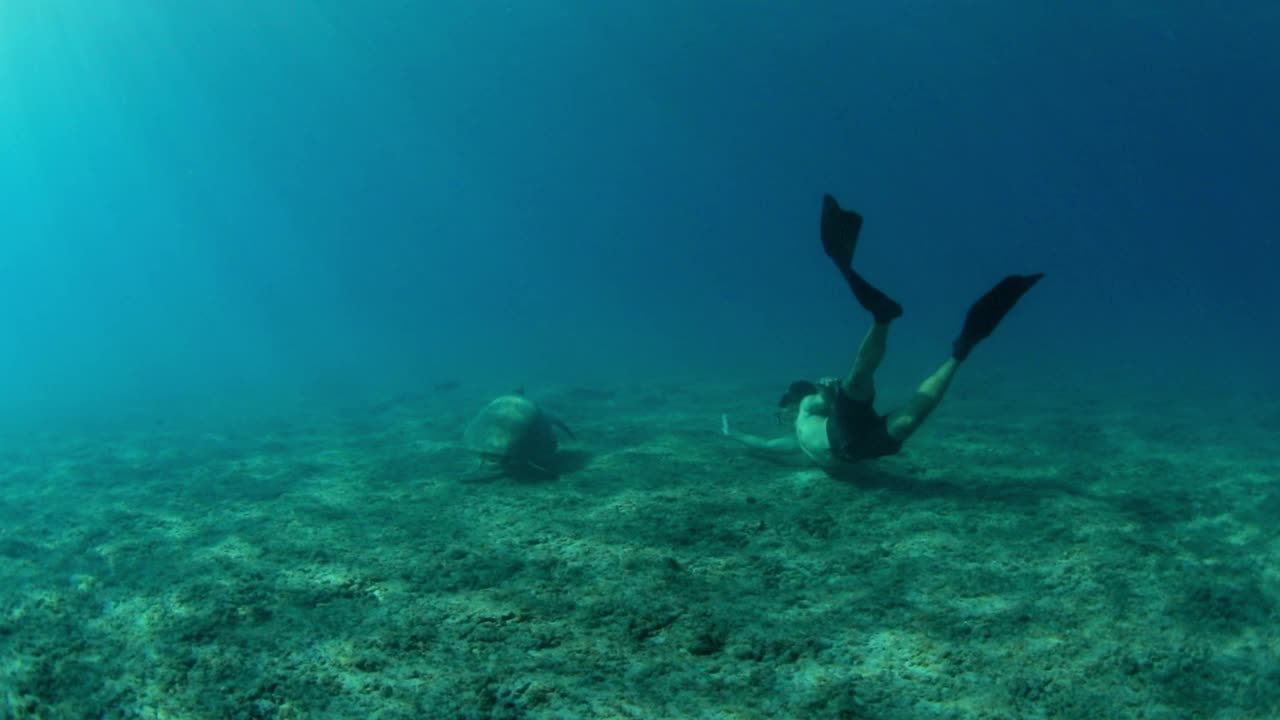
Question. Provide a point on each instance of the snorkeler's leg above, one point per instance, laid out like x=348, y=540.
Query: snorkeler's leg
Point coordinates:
x=982, y=319
x=907, y=419
x=860, y=384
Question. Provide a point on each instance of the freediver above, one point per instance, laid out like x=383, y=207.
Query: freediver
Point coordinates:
x=835, y=420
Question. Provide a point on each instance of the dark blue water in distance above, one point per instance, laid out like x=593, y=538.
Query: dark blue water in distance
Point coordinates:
x=203, y=201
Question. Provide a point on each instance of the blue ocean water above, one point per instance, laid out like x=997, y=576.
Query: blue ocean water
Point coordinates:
x=261, y=262
x=207, y=196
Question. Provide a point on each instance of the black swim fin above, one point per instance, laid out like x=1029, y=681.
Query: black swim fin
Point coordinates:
x=989, y=310
x=882, y=307
x=840, y=230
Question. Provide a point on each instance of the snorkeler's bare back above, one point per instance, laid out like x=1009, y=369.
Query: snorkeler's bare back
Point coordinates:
x=811, y=431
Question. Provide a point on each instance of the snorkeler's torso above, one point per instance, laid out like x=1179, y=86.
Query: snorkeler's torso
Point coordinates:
x=811, y=434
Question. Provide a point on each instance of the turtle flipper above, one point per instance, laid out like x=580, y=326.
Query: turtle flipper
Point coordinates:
x=543, y=469
x=557, y=422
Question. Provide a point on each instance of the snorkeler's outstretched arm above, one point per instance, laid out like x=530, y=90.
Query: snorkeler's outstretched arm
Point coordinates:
x=786, y=445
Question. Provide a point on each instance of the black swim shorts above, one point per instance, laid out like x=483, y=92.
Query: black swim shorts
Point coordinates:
x=857, y=432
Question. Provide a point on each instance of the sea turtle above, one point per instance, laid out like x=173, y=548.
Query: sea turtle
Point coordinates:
x=516, y=434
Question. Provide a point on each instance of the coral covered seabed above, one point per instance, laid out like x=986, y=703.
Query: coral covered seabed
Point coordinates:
x=1029, y=555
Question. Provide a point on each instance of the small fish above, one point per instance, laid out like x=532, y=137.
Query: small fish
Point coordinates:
x=447, y=386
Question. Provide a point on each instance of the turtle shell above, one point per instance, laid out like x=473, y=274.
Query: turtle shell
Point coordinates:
x=512, y=428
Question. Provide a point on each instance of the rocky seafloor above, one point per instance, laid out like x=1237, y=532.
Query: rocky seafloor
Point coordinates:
x=1027, y=556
